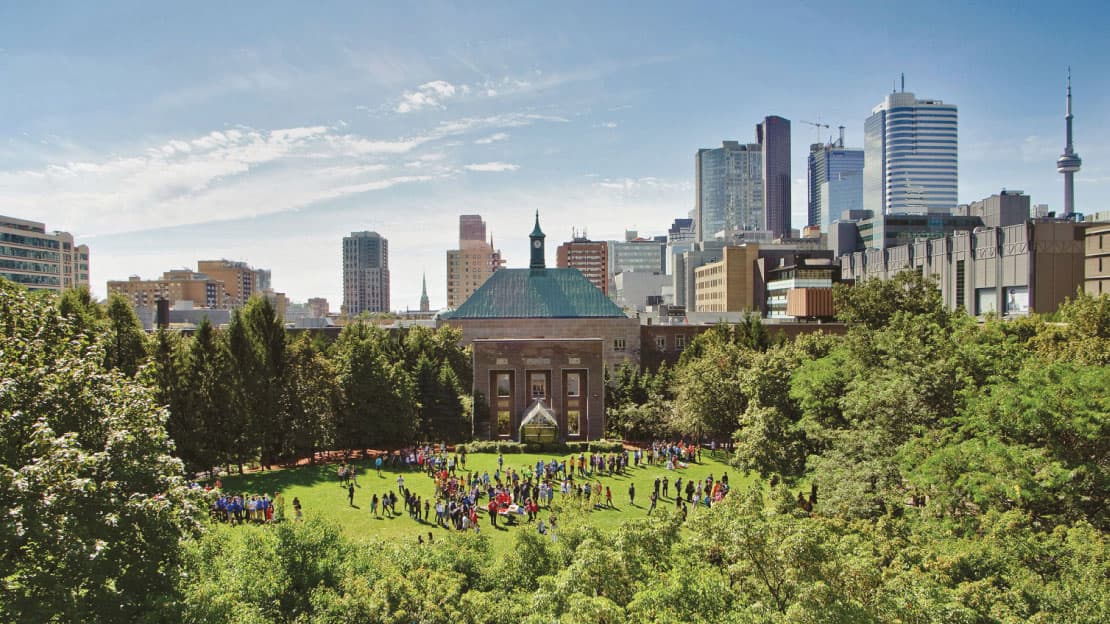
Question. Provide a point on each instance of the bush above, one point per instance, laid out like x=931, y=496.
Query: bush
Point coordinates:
x=560, y=448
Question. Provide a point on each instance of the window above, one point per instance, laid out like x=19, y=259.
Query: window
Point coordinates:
x=538, y=382
x=504, y=423
x=573, y=385
x=661, y=343
x=618, y=344
x=679, y=343
x=504, y=388
x=574, y=426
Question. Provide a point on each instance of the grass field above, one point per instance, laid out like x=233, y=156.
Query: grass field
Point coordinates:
x=321, y=495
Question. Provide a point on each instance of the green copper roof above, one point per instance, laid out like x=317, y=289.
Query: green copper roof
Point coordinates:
x=536, y=293
x=536, y=231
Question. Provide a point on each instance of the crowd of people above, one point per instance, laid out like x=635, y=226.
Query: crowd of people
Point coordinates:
x=509, y=496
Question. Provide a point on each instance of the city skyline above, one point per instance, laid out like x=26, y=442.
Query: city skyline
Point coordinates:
x=161, y=139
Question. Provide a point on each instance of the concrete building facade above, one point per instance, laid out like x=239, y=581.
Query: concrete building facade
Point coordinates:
x=1096, y=261
x=365, y=273
x=1008, y=271
x=41, y=260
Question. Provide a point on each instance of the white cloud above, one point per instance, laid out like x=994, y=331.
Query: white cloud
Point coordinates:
x=606, y=124
x=648, y=183
x=498, y=136
x=428, y=95
x=491, y=167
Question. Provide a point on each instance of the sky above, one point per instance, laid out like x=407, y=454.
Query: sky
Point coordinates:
x=266, y=132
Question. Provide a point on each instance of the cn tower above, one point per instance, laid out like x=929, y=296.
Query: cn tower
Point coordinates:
x=1069, y=162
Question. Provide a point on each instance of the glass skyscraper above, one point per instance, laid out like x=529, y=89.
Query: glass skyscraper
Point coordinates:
x=835, y=182
x=910, y=156
x=729, y=194
x=773, y=136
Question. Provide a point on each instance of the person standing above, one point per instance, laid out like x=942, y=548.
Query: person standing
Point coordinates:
x=632, y=494
x=608, y=497
x=297, y=516
x=351, y=494
x=654, y=498
x=666, y=484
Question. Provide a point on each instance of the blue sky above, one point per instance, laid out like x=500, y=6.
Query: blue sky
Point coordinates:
x=266, y=132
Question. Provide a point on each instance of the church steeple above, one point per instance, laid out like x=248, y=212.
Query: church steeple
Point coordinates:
x=537, y=237
x=424, y=305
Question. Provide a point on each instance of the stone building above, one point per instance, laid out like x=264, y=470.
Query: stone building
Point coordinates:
x=542, y=334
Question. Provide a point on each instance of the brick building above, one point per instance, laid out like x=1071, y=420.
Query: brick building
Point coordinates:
x=542, y=335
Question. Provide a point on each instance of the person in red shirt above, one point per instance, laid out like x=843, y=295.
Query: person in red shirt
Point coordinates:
x=492, y=507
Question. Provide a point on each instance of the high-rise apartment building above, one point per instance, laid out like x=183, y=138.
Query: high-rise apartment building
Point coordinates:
x=39, y=260
x=177, y=286
x=835, y=176
x=910, y=149
x=591, y=258
x=365, y=273
x=240, y=280
x=729, y=189
x=773, y=137
x=469, y=266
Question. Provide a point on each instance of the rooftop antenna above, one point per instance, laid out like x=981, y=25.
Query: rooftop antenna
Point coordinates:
x=903, y=82
x=841, y=141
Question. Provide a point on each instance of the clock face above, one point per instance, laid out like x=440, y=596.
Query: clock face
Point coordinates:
x=536, y=244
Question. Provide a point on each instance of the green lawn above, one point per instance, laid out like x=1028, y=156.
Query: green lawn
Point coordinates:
x=321, y=495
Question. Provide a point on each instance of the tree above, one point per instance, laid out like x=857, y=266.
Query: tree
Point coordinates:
x=873, y=302
x=380, y=400
x=125, y=340
x=311, y=398
x=94, y=506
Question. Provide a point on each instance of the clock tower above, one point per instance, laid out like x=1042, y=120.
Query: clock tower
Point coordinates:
x=537, y=237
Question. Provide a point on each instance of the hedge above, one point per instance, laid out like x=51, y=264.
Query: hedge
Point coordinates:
x=510, y=447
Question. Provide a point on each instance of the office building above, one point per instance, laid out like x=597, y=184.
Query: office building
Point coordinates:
x=38, y=260
x=1004, y=208
x=773, y=137
x=1009, y=271
x=729, y=189
x=835, y=175
x=365, y=273
x=240, y=280
x=637, y=254
x=469, y=266
x=589, y=257
x=910, y=149
x=681, y=238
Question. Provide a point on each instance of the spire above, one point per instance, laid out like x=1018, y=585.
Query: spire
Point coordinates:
x=425, y=306
x=536, y=231
x=1067, y=117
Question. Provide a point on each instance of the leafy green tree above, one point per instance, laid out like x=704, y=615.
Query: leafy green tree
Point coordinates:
x=874, y=302
x=125, y=340
x=311, y=398
x=380, y=399
x=94, y=506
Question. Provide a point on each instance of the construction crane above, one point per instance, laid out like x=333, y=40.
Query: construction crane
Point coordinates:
x=817, y=125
